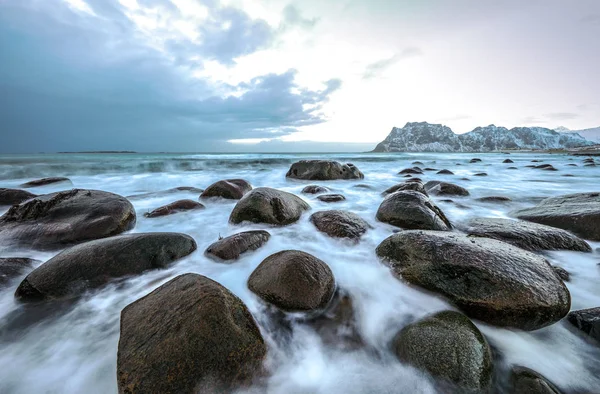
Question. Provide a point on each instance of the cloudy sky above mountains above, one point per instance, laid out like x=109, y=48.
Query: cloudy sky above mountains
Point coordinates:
x=260, y=75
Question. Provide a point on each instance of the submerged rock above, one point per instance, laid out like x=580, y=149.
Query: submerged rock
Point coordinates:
x=331, y=198
x=11, y=267
x=323, y=170
x=587, y=320
x=315, y=189
x=494, y=199
x=480, y=174
x=266, y=205
x=445, y=172
x=579, y=213
x=174, y=207
x=416, y=186
x=527, y=381
x=448, y=346
x=93, y=264
x=190, y=335
x=232, y=189
x=340, y=224
x=337, y=325
x=410, y=209
x=507, y=161
x=65, y=218
x=489, y=280
x=293, y=281
x=526, y=235
x=438, y=188
x=414, y=170
x=14, y=196
x=230, y=248
x=475, y=160
x=45, y=181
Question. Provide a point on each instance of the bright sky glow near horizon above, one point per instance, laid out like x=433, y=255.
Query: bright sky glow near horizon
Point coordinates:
x=195, y=75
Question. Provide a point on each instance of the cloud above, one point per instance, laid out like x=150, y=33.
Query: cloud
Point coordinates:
x=292, y=17
x=562, y=115
x=375, y=69
x=528, y=120
x=592, y=19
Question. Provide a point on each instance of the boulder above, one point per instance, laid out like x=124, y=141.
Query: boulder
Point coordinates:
x=293, y=281
x=266, y=205
x=93, y=264
x=191, y=335
x=438, y=188
x=572, y=165
x=449, y=347
x=410, y=209
x=511, y=168
x=314, y=189
x=174, y=207
x=547, y=167
x=416, y=186
x=430, y=169
x=64, y=218
x=526, y=381
x=587, y=320
x=562, y=273
x=507, y=161
x=231, y=189
x=445, y=172
x=526, y=235
x=494, y=199
x=417, y=163
x=480, y=174
x=489, y=280
x=578, y=213
x=340, y=224
x=11, y=267
x=323, y=170
x=331, y=198
x=414, y=170
x=45, y=181
x=14, y=196
x=475, y=161
x=230, y=248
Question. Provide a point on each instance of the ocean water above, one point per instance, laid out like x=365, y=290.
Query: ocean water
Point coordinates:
x=73, y=348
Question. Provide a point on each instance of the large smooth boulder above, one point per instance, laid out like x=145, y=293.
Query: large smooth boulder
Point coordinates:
x=578, y=213
x=174, y=207
x=526, y=235
x=449, y=347
x=230, y=248
x=416, y=186
x=11, y=267
x=271, y=206
x=45, y=181
x=411, y=209
x=191, y=335
x=14, y=196
x=438, y=188
x=64, y=218
x=340, y=224
x=587, y=320
x=323, y=170
x=527, y=381
x=93, y=264
x=489, y=280
x=293, y=281
x=232, y=189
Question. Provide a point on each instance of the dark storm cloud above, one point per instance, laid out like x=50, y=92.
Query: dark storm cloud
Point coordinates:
x=375, y=69
x=76, y=82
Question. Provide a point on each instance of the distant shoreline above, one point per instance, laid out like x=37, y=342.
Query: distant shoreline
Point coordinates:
x=100, y=151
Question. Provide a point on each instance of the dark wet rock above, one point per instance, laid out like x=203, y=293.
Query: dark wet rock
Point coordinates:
x=191, y=335
x=494, y=199
x=536, y=161
x=363, y=186
x=417, y=163
x=407, y=176
x=526, y=381
x=578, y=213
x=231, y=189
x=410, y=209
x=414, y=180
x=11, y=267
x=572, y=165
x=511, y=168
x=587, y=320
x=589, y=160
x=230, y=248
x=337, y=325
x=445, y=172
x=331, y=198
x=530, y=166
x=508, y=161
x=438, y=188
x=93, y=264
x=174, y=207
x=590, y=165
x=547, y=167
x=266, y=205
x=293, y=281
x=323, y=170
x=161, y=193
x=430, y=169
x=45, y=181
x=314, y=189
x=475, y=161
x=340, y=224
x=568, y=175
x=416, y=186
x=526, y=235
x=414, y=170
x=562, y=273
x=448, y=346
x=489, y=280
x=14, y=196
x=480, y=174
x=69, y=217
x=464, y=179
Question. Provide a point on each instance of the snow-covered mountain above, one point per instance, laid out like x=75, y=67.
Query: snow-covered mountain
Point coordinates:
x=427, y=137
x=592, y=134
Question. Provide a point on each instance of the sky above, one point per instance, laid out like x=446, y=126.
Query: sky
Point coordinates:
x=279, y=75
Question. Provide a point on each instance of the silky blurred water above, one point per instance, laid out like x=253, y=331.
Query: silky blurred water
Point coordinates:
x=74, y=351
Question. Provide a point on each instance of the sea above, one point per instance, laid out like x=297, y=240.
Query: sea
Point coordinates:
x=73, y=348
